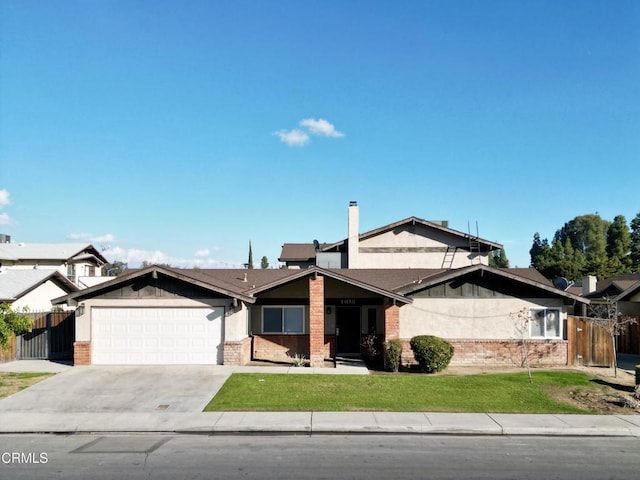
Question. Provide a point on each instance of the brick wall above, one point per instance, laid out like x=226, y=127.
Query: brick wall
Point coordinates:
x=316, y=321
x=501, y=353
x=280, y=348
x=82, y=353
x=391, y=322
x=237, y=352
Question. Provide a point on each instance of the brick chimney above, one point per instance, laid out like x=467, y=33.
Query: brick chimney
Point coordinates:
x=353, y=238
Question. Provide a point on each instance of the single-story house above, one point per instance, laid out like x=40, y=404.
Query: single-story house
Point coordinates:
x=33, y=289
x=160, y=315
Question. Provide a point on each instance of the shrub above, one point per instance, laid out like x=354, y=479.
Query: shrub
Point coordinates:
x=433, y=354
x=392, y=354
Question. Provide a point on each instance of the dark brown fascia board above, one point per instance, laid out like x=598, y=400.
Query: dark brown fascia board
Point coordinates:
x=459, y=272
x=150, y=270
x=336, y=276
x=391, y=226
x=629, y=291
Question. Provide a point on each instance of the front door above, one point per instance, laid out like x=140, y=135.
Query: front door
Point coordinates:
x=347, y=330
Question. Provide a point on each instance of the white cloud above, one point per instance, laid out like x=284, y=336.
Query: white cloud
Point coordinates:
x=293, y=138
x=4, y=219
x=134, y=257
x=106, y=238
x=321, y=127
x=202, y=253
x=4, y=198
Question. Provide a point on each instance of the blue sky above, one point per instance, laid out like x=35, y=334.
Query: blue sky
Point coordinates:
x=178, y=131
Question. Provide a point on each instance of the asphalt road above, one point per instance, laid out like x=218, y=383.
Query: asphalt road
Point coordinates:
x=368, y=457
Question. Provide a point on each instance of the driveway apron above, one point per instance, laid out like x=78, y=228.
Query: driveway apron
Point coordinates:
x=121, y=389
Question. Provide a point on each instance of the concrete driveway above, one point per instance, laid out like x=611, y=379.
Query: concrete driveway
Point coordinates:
x=121, y=389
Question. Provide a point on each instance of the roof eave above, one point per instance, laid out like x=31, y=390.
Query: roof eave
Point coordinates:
x=150, y=270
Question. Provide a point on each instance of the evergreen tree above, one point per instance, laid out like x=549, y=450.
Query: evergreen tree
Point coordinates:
x=634, y=244
x=264, y=263
x=618, y=246
x=498, y=259
x=250, y=262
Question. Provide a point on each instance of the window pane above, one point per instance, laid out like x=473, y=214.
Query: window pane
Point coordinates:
x=272, y=320
x=537, y=323
x=293, y=320
x=553, y=323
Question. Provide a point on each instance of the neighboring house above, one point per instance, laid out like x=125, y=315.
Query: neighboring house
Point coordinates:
x=32, y=290
x=81, y=263
x=409, y=243
x=611, y=290
x=161, y=315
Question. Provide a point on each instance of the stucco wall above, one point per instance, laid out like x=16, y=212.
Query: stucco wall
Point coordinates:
x=467, y=318
x=424, y=248
x=236, y=323
x=39, y=299
x=630, y=308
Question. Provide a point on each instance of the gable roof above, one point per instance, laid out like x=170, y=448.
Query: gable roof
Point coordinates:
x=190, y=276
x=628, y=292
x=63, y=252
x=15, y=284
x=336, y=274
x=485, y=245
x=524, y=276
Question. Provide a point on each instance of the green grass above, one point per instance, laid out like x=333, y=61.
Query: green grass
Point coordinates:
x=11, y=383
x=505, y=393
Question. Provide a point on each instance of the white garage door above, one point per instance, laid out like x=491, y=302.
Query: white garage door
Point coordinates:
x=156, y=336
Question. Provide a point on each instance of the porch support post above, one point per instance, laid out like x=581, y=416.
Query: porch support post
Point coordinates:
x=391, y=321
x=316, y=320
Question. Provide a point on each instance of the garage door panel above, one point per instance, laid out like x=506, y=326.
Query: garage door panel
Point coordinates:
x=157, y=335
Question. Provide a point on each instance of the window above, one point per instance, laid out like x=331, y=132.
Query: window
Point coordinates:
x=282, y=319
x=545, y=323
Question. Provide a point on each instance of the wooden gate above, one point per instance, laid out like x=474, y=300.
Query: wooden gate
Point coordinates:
x=629, y=338
x=51, y=338
x=589, y=343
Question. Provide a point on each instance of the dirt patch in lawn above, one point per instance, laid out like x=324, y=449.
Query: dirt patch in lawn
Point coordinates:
x=610, y=394
x=11, y=383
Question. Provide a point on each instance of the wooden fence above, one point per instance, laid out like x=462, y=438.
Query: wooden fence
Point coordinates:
x=589, y=343
x=51, y=338
x=629, y=338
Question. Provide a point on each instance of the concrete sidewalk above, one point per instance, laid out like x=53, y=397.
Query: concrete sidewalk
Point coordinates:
x=322, y=423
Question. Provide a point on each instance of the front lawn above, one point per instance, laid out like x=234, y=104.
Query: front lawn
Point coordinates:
x=11, y=383
x=505, y=393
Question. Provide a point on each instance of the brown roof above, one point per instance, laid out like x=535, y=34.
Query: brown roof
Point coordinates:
x=297, y=252
x=393, y=283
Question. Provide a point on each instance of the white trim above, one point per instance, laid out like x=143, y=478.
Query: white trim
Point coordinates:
x=545, y=336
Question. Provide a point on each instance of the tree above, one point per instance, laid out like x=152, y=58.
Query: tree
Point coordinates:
x=146, y=264
x=634, y=243
x=588, y=235
x=264, y=263
x=11, y=324
x=116, y=268
x=539, y=252
x=618, y=246
x=250, y=262
x=498, y=259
